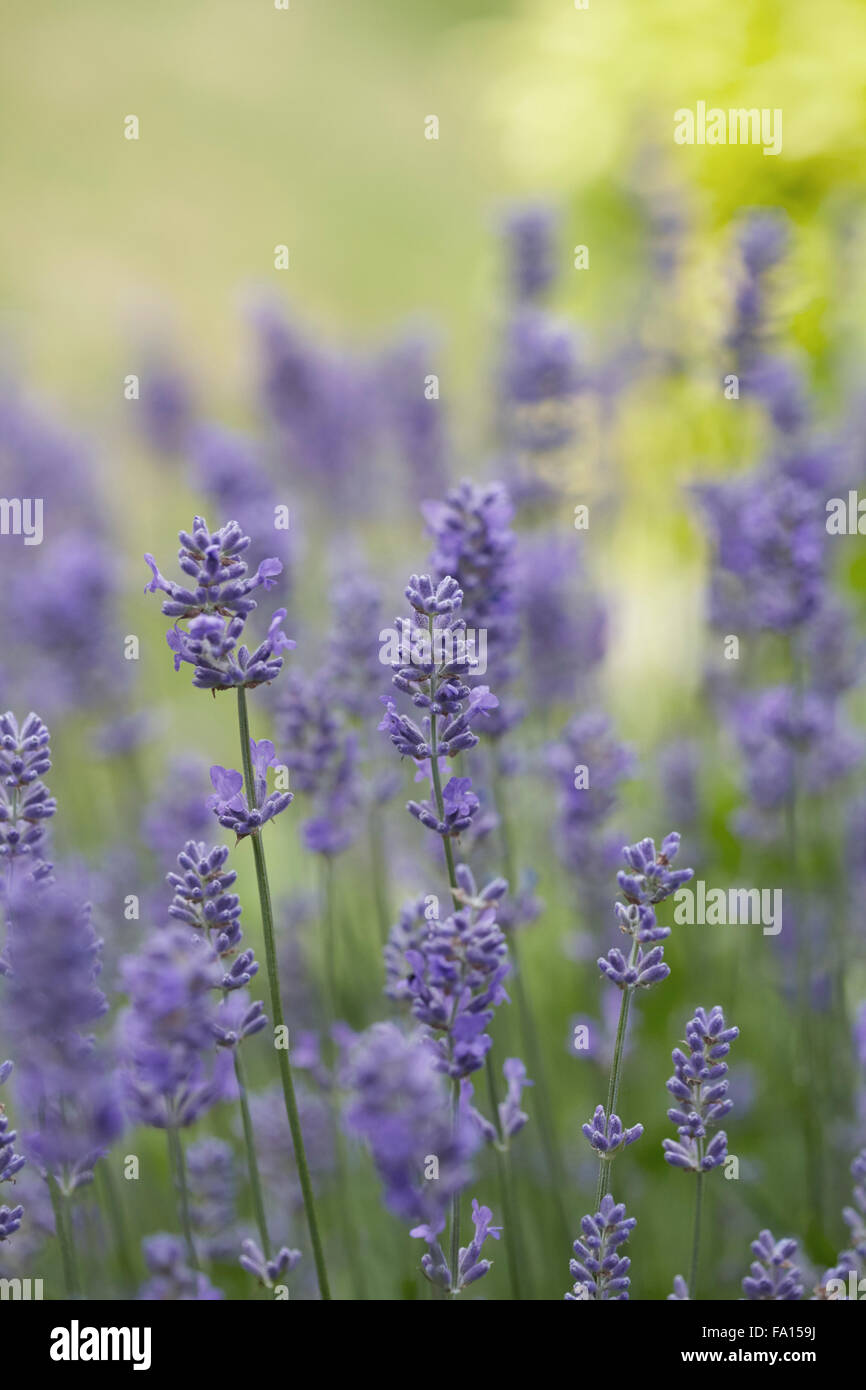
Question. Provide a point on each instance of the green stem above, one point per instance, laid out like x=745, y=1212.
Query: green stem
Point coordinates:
x=252, y=1159
x=178, y=1168
x=455, y=1200
x=60, y=1207
x=696, y=1238
x=289, y=1098
x=114, y=1208
x=605, y=1164
x=509, y=1208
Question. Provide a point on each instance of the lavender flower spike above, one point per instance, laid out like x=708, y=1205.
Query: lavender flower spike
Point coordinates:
x=650, y=881
x=470, y=1266
x=10, y=1162
x=229, y=804
x=700, y=1088
x=25, y=804
x=773, y=1276
x=681, y=1291
x=607, y=1136
x=601, y=1274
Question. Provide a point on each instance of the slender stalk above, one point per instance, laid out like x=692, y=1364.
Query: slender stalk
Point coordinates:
x=380, y=882
x=455, y=1200
x=604, y=1164
x=252, y=1159
x=509, y=1207
x=114, y=1208
x=289, y=1097
x=178, y=1168
x=63, y=1230
x=696, y=1237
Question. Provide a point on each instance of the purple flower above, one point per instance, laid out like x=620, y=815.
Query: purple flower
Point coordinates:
x=607, y=1136
x=216, y=605
x=540, y=380
x=601, y=1274
x=681, y=1291
x=470, y=1265
x=10, y=1220
x=460, y=805
x=512, y=1117
x=10, y=1162
x=458, y=966
x=701, y=1092
x=229, y=803
x=210, y=1166
x=773, y=1275
x=25, y=803
x=651, y=879
x=267, y=1272
x=201, y=895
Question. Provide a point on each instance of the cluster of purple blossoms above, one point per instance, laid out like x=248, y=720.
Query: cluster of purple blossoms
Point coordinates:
x=268, y=1272
x=607, y=1135
x=202, y=900
x=470, y=1265
x=701, y=1091
x=414, y=421
x=66, y=1087
x=210, y=1166
x=435, y=677
x=649, y=881
x=852, y=1260
x=25, y=802
x=170, y=1029
x=456, y=967
x=599, y=1271
x=229, y=802
x=10, y=1164
x=216, y=606
x=773, y=1275
x=171, y=1279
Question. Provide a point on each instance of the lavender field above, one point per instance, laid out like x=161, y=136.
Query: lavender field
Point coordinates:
x=432, y=802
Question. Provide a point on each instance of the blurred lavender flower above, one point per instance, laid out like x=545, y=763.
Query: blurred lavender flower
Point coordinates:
x=773, y=1276
x=177, y=811
x=529, y=237
x=398, y=1102
x=171, y=1280
x=414, y=417
x=540, y=378
x=67, y=1090
x=681, y=1291
x=166, y=409
x=10, y=1220
x=227, y=467
x=174, y=1073
x=700, y=1088
x=601, y=1273
x=210, y=1167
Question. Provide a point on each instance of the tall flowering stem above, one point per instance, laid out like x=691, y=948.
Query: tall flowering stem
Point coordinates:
x=277, y=1008
x=650, y=880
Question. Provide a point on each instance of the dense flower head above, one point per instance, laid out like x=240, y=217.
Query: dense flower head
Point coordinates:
x=608, y=1135
x=10, y=1220
x=229, y=803
x=54, y=960
x=10, y=1162
x=701, y=1092
x=652, y=879
x=789, y=736
x=599, y=1271
x=398, y=1102
x=540, y=380
x=458, y=965
x=201, y=894
x=25, y=802
x=773, y=1275
x=216, y=606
